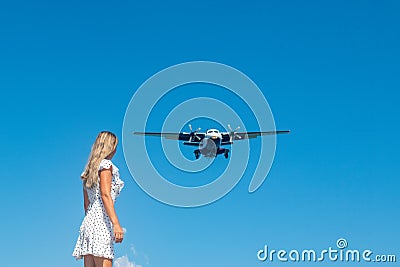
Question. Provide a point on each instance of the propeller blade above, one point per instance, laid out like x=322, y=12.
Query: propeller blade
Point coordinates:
x=194, y=133
x=230, y=128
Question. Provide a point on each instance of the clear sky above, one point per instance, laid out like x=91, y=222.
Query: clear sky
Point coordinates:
x=329, y=70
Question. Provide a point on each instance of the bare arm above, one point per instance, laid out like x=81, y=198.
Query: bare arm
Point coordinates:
x=85, y=200
x=105, y=189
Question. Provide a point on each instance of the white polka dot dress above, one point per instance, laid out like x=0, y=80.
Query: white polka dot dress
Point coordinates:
x=96, y=234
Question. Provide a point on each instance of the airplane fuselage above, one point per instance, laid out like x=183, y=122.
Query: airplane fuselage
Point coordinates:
x=210, y=145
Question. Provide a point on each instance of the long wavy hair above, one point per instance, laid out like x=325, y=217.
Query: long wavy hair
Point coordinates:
x=104, y=146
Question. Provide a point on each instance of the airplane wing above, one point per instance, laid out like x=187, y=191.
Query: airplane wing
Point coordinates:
x=172, y=136
x=249, y=135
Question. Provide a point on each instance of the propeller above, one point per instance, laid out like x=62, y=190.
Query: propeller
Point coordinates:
x=233, y=134
x=194, y=133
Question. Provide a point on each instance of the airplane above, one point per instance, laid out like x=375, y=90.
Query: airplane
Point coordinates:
x=210, y=142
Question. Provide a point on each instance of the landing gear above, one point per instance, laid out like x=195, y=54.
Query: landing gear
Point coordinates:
x=197, y=153
x=207, y=154
x=226, y=153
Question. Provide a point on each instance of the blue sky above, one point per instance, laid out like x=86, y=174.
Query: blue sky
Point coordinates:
x=329, y=70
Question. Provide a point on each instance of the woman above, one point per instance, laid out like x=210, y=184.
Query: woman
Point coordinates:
x=101, y=185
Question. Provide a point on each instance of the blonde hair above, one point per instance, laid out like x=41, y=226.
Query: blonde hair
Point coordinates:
x=103, y=147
